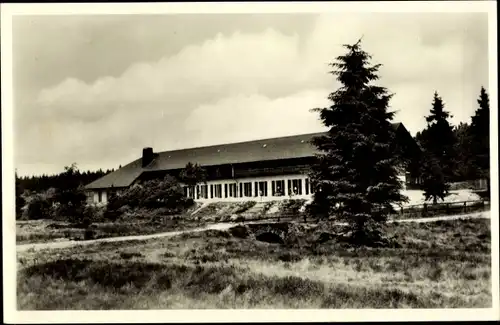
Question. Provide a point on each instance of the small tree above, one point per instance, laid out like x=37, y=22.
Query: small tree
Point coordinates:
x=70, y=197
x=356, y=174
x=192, y=175
x=434, y=184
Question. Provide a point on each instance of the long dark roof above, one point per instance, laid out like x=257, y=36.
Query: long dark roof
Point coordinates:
x=297, y=146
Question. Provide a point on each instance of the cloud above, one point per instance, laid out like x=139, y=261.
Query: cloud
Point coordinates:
x=237, y=86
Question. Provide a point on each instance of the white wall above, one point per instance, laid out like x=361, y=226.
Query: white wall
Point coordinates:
x=252, y=180
x=95, y=197
x=269, y=196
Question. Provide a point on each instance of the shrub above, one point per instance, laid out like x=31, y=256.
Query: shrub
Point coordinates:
x=240, y=231
x=93, y=213
x=292, y=207
x=89, y=234
x=166, y=194
x=39, y=206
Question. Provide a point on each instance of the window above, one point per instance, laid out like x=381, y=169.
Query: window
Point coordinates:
x=278, y=188
x=263, y=188
x=241, y=190
x=203, y=191
x=247, y=189
x=218, y=190
x=211, y=191
x=100, y=196
x=297, y=187
x=307, y=186
x=256, y=189
x=231, y=190
x=188, y=191
x=225, y=190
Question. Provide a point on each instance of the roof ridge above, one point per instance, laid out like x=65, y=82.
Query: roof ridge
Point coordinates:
x=242, y=142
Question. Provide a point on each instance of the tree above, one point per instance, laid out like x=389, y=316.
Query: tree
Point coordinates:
x=438, y=139
x=192, y=175
x=355, y=177
x=438, y=142
x=164, y=194
x=480, y=134
x=434, y=184
x=20, y=201
x=70, y=196
x=463, y=146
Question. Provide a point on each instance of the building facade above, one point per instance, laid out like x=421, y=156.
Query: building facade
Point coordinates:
x=261, y=170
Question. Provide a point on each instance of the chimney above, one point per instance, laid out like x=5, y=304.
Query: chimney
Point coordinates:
x=147, y=156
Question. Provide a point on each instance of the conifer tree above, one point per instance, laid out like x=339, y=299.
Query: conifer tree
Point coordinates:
x=439, y=139
x=438, y=142
x=355, y=178
x=480, y=134
x=434, y=185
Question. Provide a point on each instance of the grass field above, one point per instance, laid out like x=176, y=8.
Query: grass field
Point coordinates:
x=442, y=264
x=41, y=231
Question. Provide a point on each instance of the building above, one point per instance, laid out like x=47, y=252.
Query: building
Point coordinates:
x=268, y=169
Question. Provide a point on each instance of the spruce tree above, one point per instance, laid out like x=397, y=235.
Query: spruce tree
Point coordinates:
x=438, y=142
x=439, y=139
x=355, y=178
x=434, y=185
x=480, y=134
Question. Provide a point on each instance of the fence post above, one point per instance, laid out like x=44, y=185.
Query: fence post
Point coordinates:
x=425, y=210
x=465, y=207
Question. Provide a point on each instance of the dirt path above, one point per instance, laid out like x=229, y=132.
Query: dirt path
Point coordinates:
x=218, y=226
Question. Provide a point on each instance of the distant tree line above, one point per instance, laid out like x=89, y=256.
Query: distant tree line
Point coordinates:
x=62, y=196
x=40, y=183
x=54, y=196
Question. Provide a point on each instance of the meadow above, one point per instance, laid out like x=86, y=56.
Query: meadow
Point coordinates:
x=443, y=264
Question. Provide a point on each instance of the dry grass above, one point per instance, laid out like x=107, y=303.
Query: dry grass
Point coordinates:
x=438, y=265
x=41, y=231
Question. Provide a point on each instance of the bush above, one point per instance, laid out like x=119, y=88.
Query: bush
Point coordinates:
x=92, y=213
x=164, y=194
x=89, y=234
x=39, y=206
x=292, y=207
x=240, y=231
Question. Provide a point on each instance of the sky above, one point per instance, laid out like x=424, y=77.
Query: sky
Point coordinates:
x=97, y=89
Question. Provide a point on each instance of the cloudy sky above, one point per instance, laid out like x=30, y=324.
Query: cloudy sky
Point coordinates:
x=95, y=90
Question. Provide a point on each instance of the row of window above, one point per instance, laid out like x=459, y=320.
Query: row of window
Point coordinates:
x=245, y=189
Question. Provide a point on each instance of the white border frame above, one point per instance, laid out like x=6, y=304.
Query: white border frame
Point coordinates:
x=11, y=315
